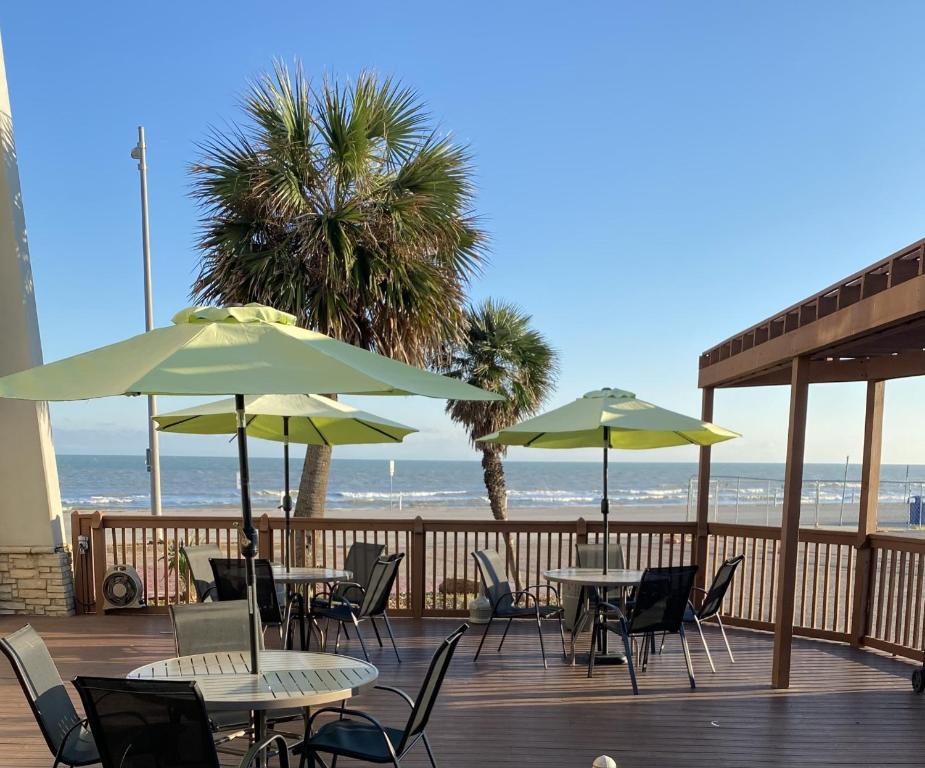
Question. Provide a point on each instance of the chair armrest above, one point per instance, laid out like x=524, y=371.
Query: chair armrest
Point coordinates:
x=699, y=589
x=67, y=735
x=255, y=750
x=408, y=700
x=211, y=592
x=547, y=587
x=342, y=586
x=614, y=608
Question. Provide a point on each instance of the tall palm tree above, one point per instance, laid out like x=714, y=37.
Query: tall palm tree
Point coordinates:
x=501, y=353
x=343, y=206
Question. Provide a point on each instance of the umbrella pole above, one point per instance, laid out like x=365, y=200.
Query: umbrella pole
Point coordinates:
x=287, y=499
x=605, y=500
x=249, y=533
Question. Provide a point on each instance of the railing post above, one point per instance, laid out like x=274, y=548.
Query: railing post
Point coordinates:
x=77, y=562
x=703, y=496
x=581, y=532
x=867, y=511
x=264, y=537
x=98, y=556
x=790, y=523
x=417, y=568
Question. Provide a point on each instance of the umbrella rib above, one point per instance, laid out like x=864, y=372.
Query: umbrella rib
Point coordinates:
x=235, y=435
x=532, y=440
x=376, y=429
x=168, y=427
x=320, y=433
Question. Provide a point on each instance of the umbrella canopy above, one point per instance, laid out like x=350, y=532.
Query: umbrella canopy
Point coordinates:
x=250, y=350
x=629, y=423
x=308, y=419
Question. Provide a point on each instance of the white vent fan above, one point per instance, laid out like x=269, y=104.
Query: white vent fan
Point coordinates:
x=122, y=588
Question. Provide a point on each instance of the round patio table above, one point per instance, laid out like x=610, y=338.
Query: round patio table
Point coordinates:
x=299, y=575
x=615, y=578
x=307, y=575
x=287, y=679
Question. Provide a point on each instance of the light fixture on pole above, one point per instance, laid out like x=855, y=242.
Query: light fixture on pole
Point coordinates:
x=153, y=456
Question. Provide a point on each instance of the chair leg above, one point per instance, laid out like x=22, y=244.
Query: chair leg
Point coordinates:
x=356, y=625
x=539, y=629
x=504, y=636
x=722, y=630
x=372, y=620
x=703, y=640
x=687, y=656
x=628, y=650
x=645, y=652
x=340, y=624
x=594, y=641
x=388, y=628
x=430, y=752
x=562, y=636
x=484, y=635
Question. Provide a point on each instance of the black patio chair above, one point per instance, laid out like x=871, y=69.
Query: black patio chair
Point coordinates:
x=157, y=724
x=216, y=628
x=712, y=603
x=361, y=558
x=65, y=732
x=360, y=736
x=374, y=604
x=231, y=584
x=197, y=559
x=506, y=604
x=661, y=601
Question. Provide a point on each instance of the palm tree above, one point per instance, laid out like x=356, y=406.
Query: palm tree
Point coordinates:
x=343, y=206
x=501, y=353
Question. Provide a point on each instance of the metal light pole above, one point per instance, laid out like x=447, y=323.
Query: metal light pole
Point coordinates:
x=153, y=454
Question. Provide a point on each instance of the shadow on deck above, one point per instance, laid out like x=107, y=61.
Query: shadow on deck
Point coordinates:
x=846, y=707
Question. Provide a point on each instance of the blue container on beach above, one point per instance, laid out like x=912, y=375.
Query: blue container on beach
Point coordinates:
x=915, y=510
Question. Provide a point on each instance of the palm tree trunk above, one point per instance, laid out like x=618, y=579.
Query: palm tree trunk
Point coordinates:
x=313, y=489
x=495, y=484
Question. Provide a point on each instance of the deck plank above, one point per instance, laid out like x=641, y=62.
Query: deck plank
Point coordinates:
x=845, y=707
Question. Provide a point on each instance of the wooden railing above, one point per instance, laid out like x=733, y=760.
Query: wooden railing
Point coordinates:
x=438, y=577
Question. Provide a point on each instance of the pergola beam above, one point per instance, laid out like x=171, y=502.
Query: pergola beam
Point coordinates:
x=790, y=523
x=703, y=495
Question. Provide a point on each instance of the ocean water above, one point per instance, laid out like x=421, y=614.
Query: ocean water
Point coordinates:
x=121, y=482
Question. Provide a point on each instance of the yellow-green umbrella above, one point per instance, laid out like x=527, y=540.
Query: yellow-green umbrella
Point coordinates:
x=612, y=418
x=250, y=350
x=307, y=419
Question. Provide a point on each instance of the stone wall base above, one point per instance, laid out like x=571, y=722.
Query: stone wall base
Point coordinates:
x=36, y=580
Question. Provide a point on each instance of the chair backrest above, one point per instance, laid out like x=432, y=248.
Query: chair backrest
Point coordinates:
x=361, y=557
x=592, y=556
x=713, y=600
x=495, y=582
x=42, y=685
x=211, y=627
x=148, y=723
x=231, y=584
x=661, y=599
x=430, y=688
x=381, y=580
x=197, y=559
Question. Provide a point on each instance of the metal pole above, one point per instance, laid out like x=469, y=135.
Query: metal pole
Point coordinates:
x=248, y=533
x=287, y=498
x=844, y=490
x=139, y=153
x=605, y=501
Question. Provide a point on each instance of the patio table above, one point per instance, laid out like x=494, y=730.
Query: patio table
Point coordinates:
x=299, y=575
x=287, y=679
x=615, y=578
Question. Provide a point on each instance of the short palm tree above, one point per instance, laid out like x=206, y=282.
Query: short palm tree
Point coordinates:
x=343, y=206
x=501, y=353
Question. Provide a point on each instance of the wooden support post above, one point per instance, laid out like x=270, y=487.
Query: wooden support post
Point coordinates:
x=790, y=523
x=417, y=568
x=867, y=513
x=98, y=553
x=703, y=496
x=265, y=538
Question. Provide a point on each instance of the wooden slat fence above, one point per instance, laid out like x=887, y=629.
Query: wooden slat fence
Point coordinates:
x=438, y=577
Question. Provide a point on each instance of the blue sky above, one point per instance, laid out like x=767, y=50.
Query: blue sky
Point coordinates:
x=654, y=177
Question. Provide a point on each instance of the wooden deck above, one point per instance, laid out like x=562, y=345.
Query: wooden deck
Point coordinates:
x=845, y=707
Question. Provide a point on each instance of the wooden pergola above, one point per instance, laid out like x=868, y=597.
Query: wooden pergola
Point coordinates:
x=868, y=327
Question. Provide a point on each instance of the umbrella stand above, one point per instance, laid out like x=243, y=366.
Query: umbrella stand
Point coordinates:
x=249, y=533
x=287, y=499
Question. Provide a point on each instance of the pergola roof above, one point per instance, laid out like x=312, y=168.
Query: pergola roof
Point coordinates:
x=869, y=326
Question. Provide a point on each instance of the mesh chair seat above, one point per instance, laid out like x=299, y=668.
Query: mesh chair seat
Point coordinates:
x=515, y=611
x=357, y=739
x=337, y=611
